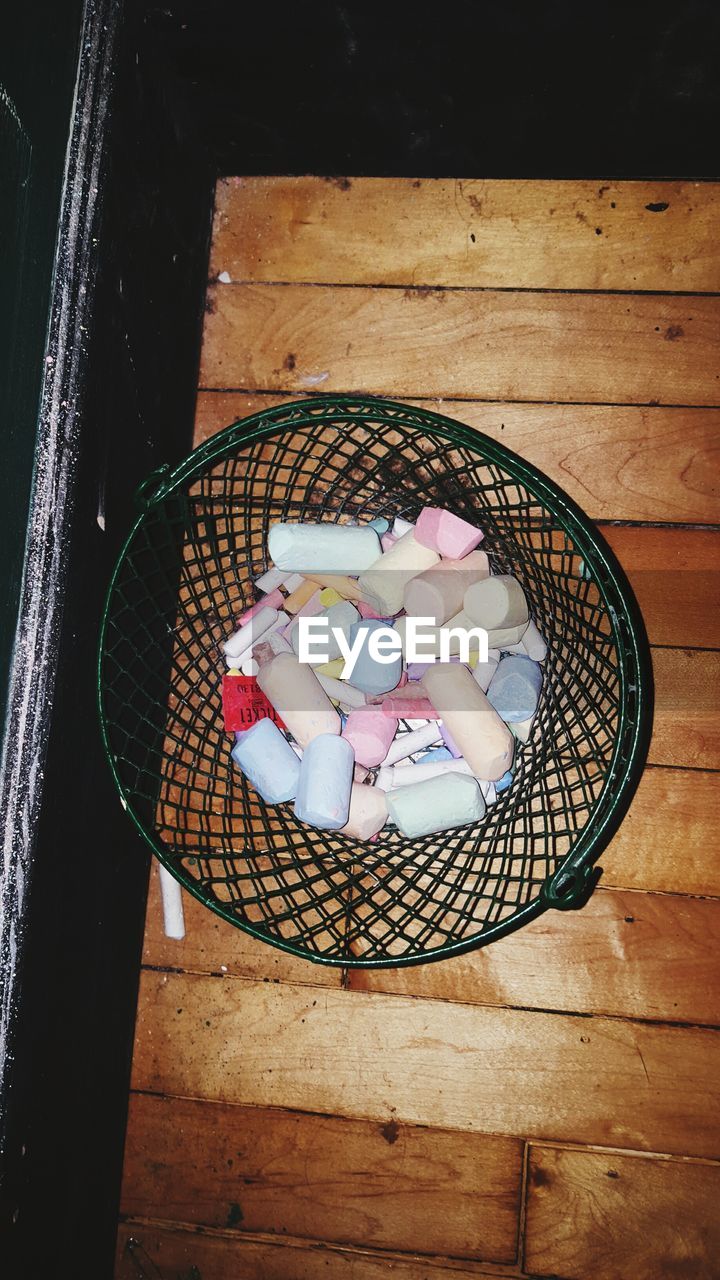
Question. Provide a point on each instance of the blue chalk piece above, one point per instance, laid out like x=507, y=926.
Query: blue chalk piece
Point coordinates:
x=268, y=761
x=435, y=756
x=379, y=524
x=324, y=786
x=515, y=688
x=368, y=675
x=503, y=783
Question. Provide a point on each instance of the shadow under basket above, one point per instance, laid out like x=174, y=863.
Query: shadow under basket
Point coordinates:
x=186, y=573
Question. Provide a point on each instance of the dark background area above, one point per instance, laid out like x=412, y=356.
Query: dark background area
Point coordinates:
x=34, y=124
x=502, y=89
x=491, y=88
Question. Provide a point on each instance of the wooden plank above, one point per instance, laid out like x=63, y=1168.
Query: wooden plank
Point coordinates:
x=669, y=840
x=345, y=1181
x=625, y=462
x=607, y=1215
x=686, y=730
x=377, y=1057
x=619, y=348
x=156, y=1249
x=212, y=945
x=637, y=955
x=683, y=613
x=537, y=235
x=675, y=574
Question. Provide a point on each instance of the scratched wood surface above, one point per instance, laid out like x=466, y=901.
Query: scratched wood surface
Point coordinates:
x=620, y=462
x=656, y=954
x=469, y=233
x=607, y=1215
x=615, y=348
x=324, y=1177
x=455, y=1066
x=482, y=1116
x=148, y=1250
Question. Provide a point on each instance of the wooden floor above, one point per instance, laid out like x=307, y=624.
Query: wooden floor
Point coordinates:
x=546, y=1106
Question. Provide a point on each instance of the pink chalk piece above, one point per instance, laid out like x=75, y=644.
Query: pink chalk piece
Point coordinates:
x=409, y=708
x=403, y=690
x=445, y=533
x=427, y=527
x=402, y=681
x=369, y=733
x=367, y=611
x=387, y=541
x=274, y=600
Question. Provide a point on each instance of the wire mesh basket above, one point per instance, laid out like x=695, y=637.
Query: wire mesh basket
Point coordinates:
x=186, y=573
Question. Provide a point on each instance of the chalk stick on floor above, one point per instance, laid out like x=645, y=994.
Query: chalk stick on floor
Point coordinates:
x=172, y=906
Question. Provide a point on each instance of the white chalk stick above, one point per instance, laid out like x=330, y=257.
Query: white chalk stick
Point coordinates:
x=341, y=691
x=406, y=744
x=532, y=644
x=384, y=779
x=234, y=659
x=521, y=729
x=172, y=906
x=245, y=637
x=270, y=581
x=488, y=790
x=405, y=775
x=484, y=671
x=323, y=548
x=401, y=527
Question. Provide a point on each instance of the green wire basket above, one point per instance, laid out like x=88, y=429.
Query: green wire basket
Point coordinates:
x=186, y=573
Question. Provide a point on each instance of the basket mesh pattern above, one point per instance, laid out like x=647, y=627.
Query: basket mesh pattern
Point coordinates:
x=186, y=575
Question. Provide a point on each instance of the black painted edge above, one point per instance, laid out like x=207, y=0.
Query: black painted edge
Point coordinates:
x=35, y=654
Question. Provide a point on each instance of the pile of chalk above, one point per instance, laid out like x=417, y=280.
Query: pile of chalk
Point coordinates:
x=421, y=746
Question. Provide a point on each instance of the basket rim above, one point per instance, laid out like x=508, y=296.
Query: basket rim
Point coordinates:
x=573, y=880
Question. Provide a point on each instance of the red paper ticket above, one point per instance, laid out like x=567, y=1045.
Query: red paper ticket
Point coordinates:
x=244, y=703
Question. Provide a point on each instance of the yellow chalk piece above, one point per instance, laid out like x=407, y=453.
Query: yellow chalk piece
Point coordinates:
x=234, y=671
x=473, y=659
x=300, y=596
x=333, y=668
x=329, y=596
x=346, y=588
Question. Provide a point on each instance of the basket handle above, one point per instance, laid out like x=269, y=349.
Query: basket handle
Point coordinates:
x=570, y=887
x=152, y=488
